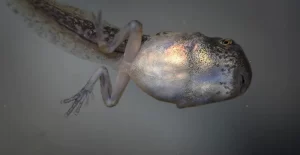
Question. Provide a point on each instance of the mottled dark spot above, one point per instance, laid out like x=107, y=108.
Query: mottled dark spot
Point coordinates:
x=223, y=70
x=218, y=93
x=222, y=83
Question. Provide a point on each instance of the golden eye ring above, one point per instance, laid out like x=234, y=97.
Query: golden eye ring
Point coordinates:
x=226, y=41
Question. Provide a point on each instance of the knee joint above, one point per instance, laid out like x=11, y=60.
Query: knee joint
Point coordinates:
x=135, y=25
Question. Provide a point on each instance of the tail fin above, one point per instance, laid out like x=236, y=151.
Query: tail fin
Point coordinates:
x=38, y=18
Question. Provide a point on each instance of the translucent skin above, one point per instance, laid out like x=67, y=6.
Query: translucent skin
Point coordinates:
x=186, y=69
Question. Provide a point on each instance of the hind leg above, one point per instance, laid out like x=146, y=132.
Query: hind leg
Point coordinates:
x=110, y=96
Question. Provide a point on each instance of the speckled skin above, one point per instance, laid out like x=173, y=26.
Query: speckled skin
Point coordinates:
x=187, y=69
x=191, y=69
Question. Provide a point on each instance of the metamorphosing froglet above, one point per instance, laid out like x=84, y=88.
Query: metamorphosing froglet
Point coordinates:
x=187, y=69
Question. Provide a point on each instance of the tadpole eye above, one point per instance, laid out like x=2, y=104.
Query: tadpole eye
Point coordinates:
x=226, y=41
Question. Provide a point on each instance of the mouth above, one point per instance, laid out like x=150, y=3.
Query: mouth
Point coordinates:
x=243, y=85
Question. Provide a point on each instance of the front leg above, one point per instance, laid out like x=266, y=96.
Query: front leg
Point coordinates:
x=132, y=31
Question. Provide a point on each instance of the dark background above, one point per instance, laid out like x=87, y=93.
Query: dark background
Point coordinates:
x=36, y=75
